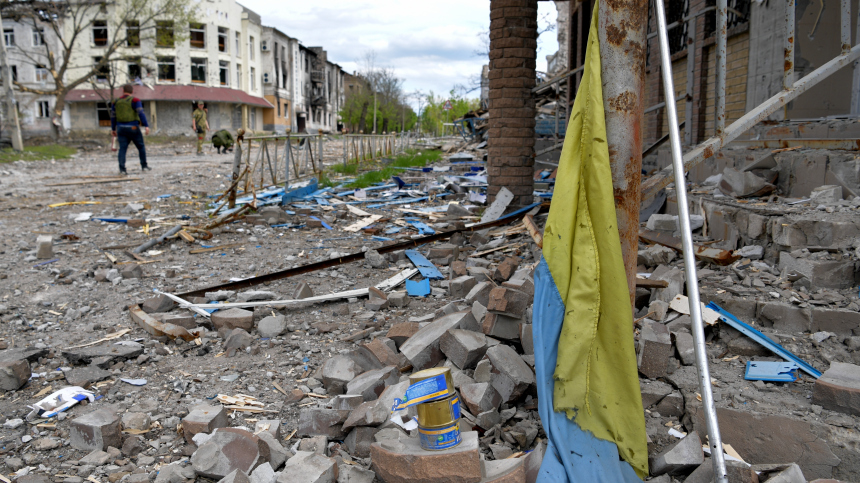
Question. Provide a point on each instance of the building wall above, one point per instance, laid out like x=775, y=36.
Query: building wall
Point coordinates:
x=167, y=117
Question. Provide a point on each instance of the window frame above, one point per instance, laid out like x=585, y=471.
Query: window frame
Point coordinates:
x=251, y=47
x=253, y=82
x=40, y=71
x=165, y=61
x=223, y=33
x=224, y=72
x=165, y=34
x=98, y=26
x=238, y=44
x=38, y=37
x=239, y=76
x=198, y=63
x=103, y=109
x=43, y=113
x=136, y=62
x=200, y=30
x=7, y=34
x=132, y=33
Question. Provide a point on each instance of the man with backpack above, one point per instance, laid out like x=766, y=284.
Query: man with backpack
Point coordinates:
x=126, y=119
x=200, y=126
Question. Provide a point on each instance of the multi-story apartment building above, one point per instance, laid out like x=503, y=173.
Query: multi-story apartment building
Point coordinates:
x=219, y=62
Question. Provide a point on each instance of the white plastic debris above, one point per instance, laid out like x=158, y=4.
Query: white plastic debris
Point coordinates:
x=134, y=382
x=59, y=402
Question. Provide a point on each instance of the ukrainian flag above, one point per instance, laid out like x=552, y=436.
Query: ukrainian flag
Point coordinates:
x=588, y=386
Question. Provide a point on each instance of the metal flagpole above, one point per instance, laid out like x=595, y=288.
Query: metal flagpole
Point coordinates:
x=715, y=441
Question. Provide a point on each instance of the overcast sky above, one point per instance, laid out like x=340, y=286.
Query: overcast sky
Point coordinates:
x=431, y=45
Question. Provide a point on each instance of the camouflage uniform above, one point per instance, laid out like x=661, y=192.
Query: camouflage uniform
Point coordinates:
x=200, y=121
x=222, y=139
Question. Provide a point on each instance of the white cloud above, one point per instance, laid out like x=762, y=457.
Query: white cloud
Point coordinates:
x=429, y=44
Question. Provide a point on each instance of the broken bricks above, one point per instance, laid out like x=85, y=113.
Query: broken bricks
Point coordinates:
x=403, y=460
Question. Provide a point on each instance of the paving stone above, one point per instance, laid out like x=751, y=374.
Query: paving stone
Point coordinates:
x=277, y=453
x=507, y=301
x=233, y=319
x=14, y=374
x=655, y=349
x=501, y=326
x=354, y=474
x=458, y=268
x=505, y=269
x=303, y=291
x=480, y=293
x=204, y=419
x=370, y=384
x=678, y=458
x=256, y=295
x=358, y=441
x=309, y=467
x=524, y=285
x=463, y=347
x=481, y=274
x=839, y=321
x=136, y=421
x=480, y=397
x=401, y=331
x=685, y=347
x=132, y=270
x=838, y=389
x=459, y=287
x=322, y=422
x=653, y=392
x=337, y=371
x=479, y=312
x=315, y=444
x=44, y=247
x=238, y=340
x=272, y=326
x=386, y=353
x=403, y=460
x=422, y=349
x=158, y=303
x=98, y=429
x=736, y=471
x=511, y=376
x=229, y=449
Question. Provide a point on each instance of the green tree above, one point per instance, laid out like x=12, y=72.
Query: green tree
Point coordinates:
x=433, y=115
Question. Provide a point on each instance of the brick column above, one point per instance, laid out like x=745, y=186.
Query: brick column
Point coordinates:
x=513, y=46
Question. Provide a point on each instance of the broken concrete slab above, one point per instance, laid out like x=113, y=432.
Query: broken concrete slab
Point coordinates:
x=838, y=389
x=655, y=350
x=322, y=422
x=403, y=460
x=233, y=319
x=309, y=467
x=14, y=374
x=97, y=429
x=463, y=347
x=229, y=449
x=511, y=376
x=158, y=303
x=204, y=419
x=370, y=384
x=678, y=458
x=480, y=397
x=422, y=349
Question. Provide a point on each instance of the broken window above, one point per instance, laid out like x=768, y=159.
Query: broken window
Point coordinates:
x=238, y=39
x=197, y=34
x=166, y=69
x=9, y=37
x=225, y=72
x=198, y=70
x=132, y=33
x=44, y=109
x=14, y=70
x=38, y=37
x=100, y=33
x=134, y=71
x=738, y=14
x=251, y=47
x=238, y=76
x=164, y=33
x=103, y=72
x=41, y=73
x=253, y=79
x=103, y=114
x=222, y=39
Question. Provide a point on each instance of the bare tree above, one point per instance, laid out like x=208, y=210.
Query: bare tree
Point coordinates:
x=120, y=31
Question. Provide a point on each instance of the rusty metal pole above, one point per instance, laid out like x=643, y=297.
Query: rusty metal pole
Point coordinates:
x=622, y=32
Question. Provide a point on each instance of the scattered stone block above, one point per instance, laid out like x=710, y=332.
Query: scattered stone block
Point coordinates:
x=263, y=474
x=824, y=194
x=655, y=349
x=656, y=255
x=219, y=296
x=480, y=397
x=44, y=247
x=674, y=277
x=459, y=268
x=752, y=252
x=354, y=474
x=664, y=223
x=96, y=458
x=784, y=317
x=463, y=347
x=337, y=371
x=839, y=321
x=679, y=458
x=736, y=471
x=526, y=339
x=398, y=299
x=838, y=389
x=375, y=260
x=277, y=453
x=315, y=444
x=422, y=349
x=507, y=301
x=233, y=319
x=182, y=320
x=511, y=376
x=836, y=274
x=102, y=355
x=204, y=419
x=256, y=295
x=779, y=473
x=480, y=293
x=744, y=346
x=229, y=449
x=461, y=286
x=132, y=270
x=509, y=470
x=272, y=326
x=483, y=371
x=524, y=285
x=238, y=340
x=322, y=422
x=501, y=326
x=386, y=353
x=159, y=303
x=358, y=441
x=370, y=413
x=505, y=269
x=271, y=426
x=671, y=406
x=401, y=331
x=136, y=421
x=14, y=374
x=309, y=467
x=303, y=291
x=370, y=384
x=98, y=429
x=658, y=310
x=404, y=461
x=479, y=312
x=686, y=348
x=653, y=392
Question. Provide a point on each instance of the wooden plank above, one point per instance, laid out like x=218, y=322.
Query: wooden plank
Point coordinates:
x=357, y=211
x=648, y=283
x=708, y=254
x=363, y=223
x=186, y=236
x=532, y=228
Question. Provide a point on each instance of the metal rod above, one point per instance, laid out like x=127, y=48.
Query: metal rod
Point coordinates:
x=759, y=113
x=690, y=83
x=788, y=68
x=237, y=164
x=846, y=26
x=288, y=150
x=720, y=111
x=714, y=439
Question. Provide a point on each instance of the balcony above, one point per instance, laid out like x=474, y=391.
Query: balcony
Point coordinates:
x=319, y=101
x=318, y=76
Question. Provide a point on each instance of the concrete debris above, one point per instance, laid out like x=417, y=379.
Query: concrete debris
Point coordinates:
x=96, y=430
x=679, y=458
x=309, y=467
x=838, y=389
x=229, y=449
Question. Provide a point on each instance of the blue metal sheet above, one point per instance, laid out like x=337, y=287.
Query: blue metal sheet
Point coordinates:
x=299, y=193
x=764, y=340
x=426, y=267
x=420, y=288
x=422, y=228
x=326, y=225
x=771, y=371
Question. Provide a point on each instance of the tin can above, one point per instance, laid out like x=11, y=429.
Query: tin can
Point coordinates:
x=434, y=439
x=433, y=372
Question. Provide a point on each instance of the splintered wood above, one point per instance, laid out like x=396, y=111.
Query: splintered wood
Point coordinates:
x=241, y=402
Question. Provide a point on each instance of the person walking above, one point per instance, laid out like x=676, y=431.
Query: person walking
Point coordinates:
x=200, y=126
x=126, y=119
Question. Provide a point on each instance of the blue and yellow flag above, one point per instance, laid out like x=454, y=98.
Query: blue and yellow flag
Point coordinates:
x=588, y=385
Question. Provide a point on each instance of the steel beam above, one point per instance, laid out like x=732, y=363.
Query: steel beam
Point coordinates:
x=622, y=35
x=788, y=67
x=761, y=112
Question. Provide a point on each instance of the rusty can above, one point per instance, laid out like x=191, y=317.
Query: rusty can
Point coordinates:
x=439, y=423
